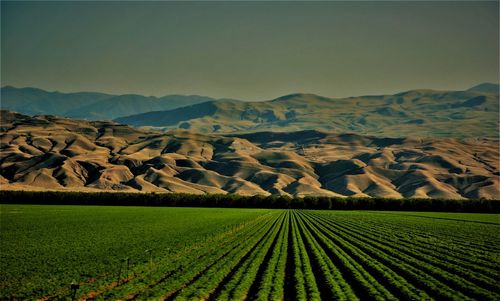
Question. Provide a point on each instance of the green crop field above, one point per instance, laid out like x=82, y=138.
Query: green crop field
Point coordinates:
x=144, y=253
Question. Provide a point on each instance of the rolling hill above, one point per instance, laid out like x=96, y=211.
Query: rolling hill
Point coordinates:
x=55, y=153
x=416, y=113
x=89, y=105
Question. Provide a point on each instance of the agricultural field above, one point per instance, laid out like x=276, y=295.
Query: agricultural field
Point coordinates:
x=144, y=253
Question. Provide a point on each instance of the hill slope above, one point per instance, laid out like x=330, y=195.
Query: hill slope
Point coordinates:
x=418, y=113
x=47, y=152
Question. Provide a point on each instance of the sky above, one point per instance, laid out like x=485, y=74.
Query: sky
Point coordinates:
x=249, y=50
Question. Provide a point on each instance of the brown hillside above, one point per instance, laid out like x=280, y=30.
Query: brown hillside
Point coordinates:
x=46, y=152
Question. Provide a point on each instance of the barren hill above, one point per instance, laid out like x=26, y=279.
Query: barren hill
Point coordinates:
x=47, y=152
x=417, y=113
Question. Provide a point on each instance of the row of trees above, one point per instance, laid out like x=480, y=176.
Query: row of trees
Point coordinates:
x=238, y=201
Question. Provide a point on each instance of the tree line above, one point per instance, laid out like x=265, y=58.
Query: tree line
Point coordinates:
x=239, y=201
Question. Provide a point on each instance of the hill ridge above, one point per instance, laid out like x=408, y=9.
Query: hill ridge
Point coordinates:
x=89, y=105
x=54, y=153
x=419, y=113
x=415, y=113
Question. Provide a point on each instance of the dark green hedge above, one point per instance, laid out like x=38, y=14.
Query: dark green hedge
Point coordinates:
x=237, y=201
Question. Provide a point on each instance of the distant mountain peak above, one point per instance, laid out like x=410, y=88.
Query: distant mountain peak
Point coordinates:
x=486, y=87
x=299, y=96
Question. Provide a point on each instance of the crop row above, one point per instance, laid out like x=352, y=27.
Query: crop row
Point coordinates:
x=318, y=255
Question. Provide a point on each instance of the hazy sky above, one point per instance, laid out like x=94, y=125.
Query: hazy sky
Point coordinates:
x=249, y=50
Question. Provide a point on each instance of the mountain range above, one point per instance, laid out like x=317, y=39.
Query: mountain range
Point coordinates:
x=416, y=113
x=57, y=153
x=89, y=105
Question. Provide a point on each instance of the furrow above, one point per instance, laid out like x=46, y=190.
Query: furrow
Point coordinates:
x=220, y=273
x=444, y=284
